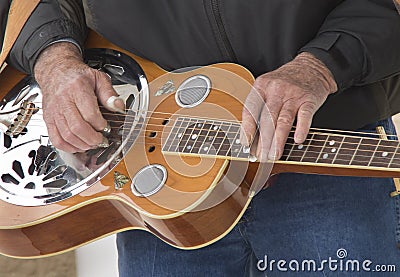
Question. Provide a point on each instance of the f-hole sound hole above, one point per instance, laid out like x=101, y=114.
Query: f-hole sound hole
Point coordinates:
x=165, y=122
x=152, y=148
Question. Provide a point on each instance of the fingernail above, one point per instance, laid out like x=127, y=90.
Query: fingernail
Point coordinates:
x=299, y=138
x=116, y=104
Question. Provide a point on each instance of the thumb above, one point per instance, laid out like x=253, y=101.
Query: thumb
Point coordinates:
x=107, y=95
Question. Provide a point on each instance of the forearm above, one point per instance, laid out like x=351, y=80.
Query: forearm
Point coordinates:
x=359, y=42
x=51, y=21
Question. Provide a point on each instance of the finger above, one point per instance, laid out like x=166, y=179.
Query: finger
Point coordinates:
x=78, y=131
x=284, y=124
x=251, y=112
x=70, y=135
x=88, y=109
x=267, y=129
x=57, y=141
x=304, y=120
x=107, y=95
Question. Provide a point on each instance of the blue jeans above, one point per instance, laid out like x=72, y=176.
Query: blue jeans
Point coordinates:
x=316, y=225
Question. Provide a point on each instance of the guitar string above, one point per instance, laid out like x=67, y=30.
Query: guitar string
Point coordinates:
x=370, y=158
x=350, y=161
x=216, y=119
x=330, y=135
x=292, y=131
x=389, y=153
x=334, y=132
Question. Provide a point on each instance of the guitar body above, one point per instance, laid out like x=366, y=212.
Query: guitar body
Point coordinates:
x=174, y=165
x=196, y=200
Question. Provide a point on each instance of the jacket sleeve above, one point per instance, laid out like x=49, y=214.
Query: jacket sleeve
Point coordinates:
x=359, y=42
x=51, y=21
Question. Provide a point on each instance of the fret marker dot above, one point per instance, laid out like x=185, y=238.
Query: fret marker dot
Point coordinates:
x=385, y=154
x=237, y=141
x=189, y=147
x=236, y=150
x=210, y=138
x=215, y=128
x=332, y=142
x=194, y=136
x=300, y=146
x=206, y=148
x=325, y=156
x=333, y=150
x=199, y=125
x=180, y=135
x=246, y=150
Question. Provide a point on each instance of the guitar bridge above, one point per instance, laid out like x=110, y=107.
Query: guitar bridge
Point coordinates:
x=25, y=113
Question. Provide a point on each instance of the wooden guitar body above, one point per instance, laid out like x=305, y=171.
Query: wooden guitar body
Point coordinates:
x=185, y=178
x=202, y=199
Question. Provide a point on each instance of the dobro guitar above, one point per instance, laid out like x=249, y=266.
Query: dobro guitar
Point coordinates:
x=174, y=165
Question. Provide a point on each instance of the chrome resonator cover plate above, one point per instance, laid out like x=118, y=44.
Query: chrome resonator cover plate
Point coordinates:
x=35, y=173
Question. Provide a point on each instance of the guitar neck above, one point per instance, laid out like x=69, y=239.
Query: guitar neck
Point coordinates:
x=333, y=152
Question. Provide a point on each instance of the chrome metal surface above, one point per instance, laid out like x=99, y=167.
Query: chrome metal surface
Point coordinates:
x=149, y=180
x=32, y=171
x=193, y=91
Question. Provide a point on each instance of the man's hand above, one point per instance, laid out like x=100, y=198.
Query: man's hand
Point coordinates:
x=299, y=88
x=71, y=91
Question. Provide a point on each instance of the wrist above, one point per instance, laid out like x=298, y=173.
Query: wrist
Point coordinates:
x=319, y=69
x=56, y=56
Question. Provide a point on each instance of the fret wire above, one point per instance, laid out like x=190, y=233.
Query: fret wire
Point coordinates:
x=323, y=147
x=181, y=130
x=208, y=133
x=338, y=150
x=237, y=136
x=231, y=143
x=212, y=142
x=173, y=128
x=374, y=153
x=197, y=137
x=190, y=135
x=393, y=157
x=355, y=152
x=308, y=146
x=291, y=150
x=222, y=142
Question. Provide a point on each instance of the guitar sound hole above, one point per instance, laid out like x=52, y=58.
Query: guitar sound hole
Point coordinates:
x=7, y=141
x=152, y=134
x=152, y=148
x=165, y=122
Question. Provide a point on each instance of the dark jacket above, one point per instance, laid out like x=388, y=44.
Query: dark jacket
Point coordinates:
x=359, y=41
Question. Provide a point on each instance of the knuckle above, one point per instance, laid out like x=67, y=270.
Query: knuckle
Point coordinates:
x=68, y=135
x=285, y=120
x=75, y=128
x=93, y=115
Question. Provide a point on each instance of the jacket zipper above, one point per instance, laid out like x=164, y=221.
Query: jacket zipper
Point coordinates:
x=221, y=29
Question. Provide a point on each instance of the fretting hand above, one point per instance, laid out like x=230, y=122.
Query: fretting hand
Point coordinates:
x=298, y=88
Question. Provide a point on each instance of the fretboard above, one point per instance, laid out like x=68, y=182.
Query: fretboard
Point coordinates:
x=328, y=148
x=204, y=137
